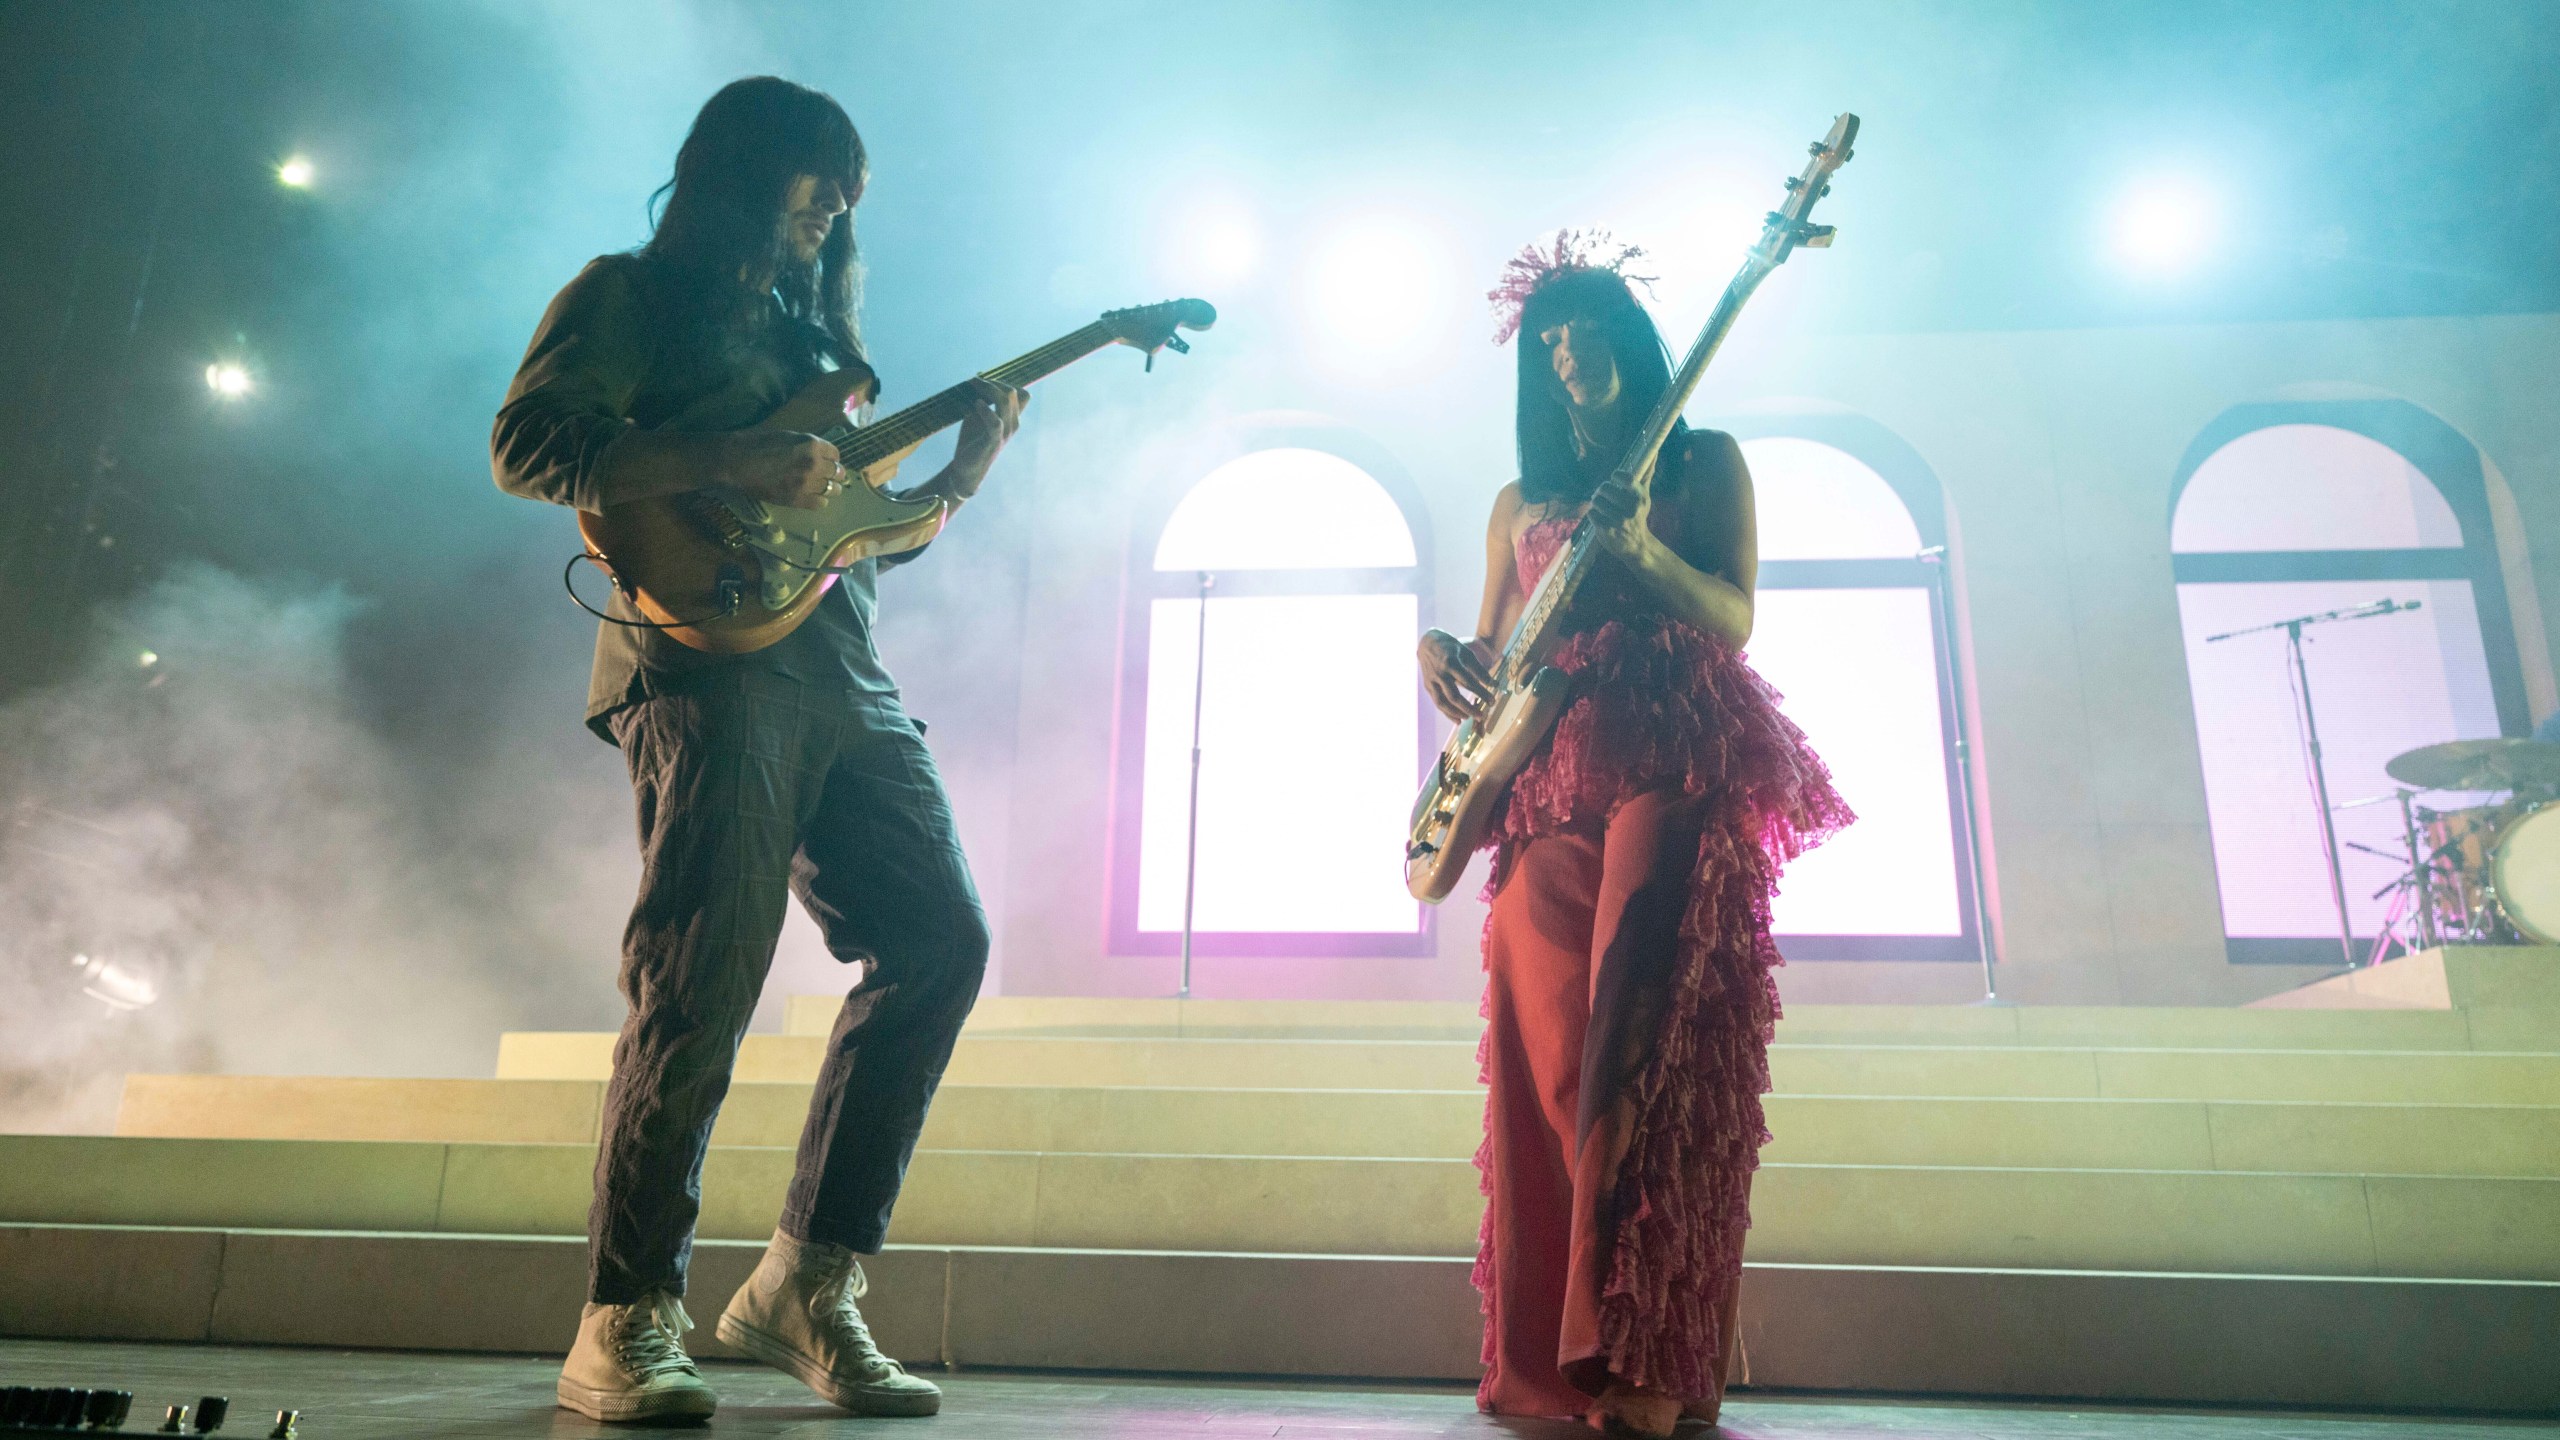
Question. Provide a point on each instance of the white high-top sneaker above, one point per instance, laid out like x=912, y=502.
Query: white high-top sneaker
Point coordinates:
x=796, y=1314
x=629, y=1364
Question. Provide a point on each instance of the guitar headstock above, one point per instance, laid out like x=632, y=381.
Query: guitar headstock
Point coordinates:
x=1789, y=225
x=1151, y=328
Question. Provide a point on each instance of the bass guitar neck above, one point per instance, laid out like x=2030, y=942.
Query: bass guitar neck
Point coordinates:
x=1456, y=808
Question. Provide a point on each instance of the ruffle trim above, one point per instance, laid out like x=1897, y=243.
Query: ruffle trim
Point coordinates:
x=1660, y=707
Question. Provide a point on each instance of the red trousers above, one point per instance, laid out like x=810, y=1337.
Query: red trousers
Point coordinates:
x=1582, y=939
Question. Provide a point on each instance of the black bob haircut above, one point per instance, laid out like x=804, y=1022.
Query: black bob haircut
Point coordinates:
x=1551, y=471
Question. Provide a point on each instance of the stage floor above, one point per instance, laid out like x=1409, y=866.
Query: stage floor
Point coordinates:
x=377, y=1395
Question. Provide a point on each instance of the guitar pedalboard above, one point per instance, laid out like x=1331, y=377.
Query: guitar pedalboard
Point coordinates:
x=67, y=1410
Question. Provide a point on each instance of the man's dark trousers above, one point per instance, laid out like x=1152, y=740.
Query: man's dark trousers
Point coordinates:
x=749, y=782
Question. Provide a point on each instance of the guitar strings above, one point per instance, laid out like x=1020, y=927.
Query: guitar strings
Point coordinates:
x=921, y=420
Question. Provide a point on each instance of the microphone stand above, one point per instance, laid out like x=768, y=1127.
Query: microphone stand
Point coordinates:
x=2309, y=724
x=1191, y=838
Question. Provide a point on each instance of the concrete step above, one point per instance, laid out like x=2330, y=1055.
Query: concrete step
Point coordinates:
x=2492, y=1026
x=2013, y=1071
x=2320, y=1137
x=2195, y=1338
x=2483, y=1227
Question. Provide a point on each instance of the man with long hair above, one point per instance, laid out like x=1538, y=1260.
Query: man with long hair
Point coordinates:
x=788, y=769
x=1629, y=998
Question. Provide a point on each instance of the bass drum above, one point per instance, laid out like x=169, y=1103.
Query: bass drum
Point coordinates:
x=2526, y=871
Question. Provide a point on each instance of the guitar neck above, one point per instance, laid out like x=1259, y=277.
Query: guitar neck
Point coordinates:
x=866, y=445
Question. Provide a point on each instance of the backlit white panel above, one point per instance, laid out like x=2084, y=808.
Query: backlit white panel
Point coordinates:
x=2380, y=685
x=1310, y=741
x=1818, y=502
x=1286, y=509
x=1859, y=673
x=2310, y=487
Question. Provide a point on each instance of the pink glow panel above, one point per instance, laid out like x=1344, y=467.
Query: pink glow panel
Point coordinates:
x=1311, y=743
x=2381, y=686
x=1859, y=672
x=2310, y=487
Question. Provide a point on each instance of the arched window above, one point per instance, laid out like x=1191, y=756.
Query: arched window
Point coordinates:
x=1848, y=629
x=2293, y=510
x=1310, y=719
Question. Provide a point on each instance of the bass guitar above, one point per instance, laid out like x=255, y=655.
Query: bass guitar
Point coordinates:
x=723, y=572
x=1459, y=801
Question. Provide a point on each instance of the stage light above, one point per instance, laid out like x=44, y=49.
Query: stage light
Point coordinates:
x=118, y=987
x=147, y=659
x=226, y=379
x=2163, y=224
x=1211, y=244
x=295, y=172
x=1380, y=296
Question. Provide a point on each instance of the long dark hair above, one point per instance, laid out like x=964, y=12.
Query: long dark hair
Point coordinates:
x=1550, y=470
x=723, y=216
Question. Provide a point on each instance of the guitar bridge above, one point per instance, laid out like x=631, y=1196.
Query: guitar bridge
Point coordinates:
x=721, y=521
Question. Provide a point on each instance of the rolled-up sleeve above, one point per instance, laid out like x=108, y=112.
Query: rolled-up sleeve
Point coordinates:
x=572, y=396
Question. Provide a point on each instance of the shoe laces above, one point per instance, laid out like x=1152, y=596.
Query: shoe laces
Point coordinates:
x=840, y=1282
x=649, y=1340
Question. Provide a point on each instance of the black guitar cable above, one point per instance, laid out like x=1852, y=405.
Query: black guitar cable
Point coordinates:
x=732, y=587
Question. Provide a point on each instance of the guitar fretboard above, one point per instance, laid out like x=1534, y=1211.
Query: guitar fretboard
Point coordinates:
x=1787, y=228
x=865, y=445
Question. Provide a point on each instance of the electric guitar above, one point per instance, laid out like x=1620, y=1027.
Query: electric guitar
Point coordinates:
x=1458, y=803
x=723, y=572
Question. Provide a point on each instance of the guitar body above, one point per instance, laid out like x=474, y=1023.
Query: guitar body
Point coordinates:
x=1457, y=806
x=704, y=563
x=724, y=573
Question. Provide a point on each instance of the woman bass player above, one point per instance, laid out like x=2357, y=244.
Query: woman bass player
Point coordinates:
x=1630, y=999
x=792, y=768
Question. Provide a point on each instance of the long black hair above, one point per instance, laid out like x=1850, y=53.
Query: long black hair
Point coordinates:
x=1550, y=469
x=723, y=218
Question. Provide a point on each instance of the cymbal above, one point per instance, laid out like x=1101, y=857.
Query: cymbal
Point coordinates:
x=2477, y=765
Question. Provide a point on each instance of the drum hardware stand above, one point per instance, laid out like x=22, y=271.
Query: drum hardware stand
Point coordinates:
x=1935, y=557
x=2422, y=869
x=2310, y=730
x=1191, y=835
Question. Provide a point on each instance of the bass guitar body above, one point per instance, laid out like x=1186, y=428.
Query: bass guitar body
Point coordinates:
x=1457, y=806
x=727, y=574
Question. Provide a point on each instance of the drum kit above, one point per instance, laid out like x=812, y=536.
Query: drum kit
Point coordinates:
x=2484, y=874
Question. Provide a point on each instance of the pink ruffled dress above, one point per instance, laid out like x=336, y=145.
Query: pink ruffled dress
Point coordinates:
x=1650, y=993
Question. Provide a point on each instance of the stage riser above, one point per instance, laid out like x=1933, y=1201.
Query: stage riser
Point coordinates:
x=2376, y=1077
x=2448, y=1226
x=2179, y=1338
x=2067, y=1134
x=2514, y=1015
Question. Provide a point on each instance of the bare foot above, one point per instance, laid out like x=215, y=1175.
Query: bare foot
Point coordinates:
x=1632, y=1410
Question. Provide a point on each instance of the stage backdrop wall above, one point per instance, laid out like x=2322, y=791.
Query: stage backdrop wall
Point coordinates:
x=2056, y=454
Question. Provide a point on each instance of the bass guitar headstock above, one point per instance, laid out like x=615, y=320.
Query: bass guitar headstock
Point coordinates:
x=1790, y=225
x=1150, y=328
